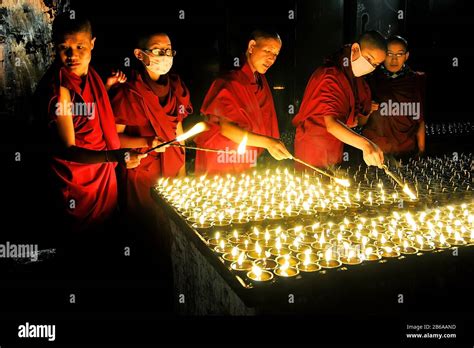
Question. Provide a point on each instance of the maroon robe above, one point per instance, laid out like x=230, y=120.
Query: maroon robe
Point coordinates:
x=332, y=90
x=245, y=99
x=396, y=134
x=87, y=192
x=149, y=110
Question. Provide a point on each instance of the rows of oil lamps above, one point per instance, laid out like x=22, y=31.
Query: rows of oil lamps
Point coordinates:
x=269, y=196
x=430, y=176
x=263, y=253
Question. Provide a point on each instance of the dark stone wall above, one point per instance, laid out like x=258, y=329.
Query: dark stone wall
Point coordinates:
x=25, y=51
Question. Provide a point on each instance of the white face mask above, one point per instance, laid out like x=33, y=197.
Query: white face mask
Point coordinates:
x=361, y=66
x=159, y=65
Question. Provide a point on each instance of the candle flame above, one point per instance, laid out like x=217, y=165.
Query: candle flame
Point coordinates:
x=257, y=271
x=408, y=192
x=196, y=129
x=241, y=258
x=342, y=182
x=235, y=251
x=242, y=145
x=328, y=255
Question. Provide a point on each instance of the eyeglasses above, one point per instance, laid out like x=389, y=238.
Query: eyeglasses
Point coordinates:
x=162, y=52
x=398, y=55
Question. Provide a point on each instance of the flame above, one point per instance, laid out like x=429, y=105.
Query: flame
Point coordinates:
x=258, y=249
x=351, y=254
x=267, y=236
x=196, y=129
x=278, y=244
x=342, y=182
x=257, y=271
x=408, y=192
x=235, y=251
x=242, y=145
x=222, y=245
x=217, y=236
x=328, y=255
x=241, y=258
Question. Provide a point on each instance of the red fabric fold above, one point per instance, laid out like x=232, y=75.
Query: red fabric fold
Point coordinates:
x=242, y=98
x=332, y=90
x=88, y=192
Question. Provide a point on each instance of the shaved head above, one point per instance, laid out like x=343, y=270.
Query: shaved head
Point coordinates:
x=259, y=34
x=64, y=25
x=373, y=40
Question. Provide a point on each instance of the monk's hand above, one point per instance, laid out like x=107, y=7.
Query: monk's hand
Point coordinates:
x=373, y=107
x=132, y=158
x=277, y=149
x=116, y=77
x=373, y=156
x=156, y=141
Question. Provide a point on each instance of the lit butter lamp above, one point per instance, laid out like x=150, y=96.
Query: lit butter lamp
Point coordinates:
x=455, y=237
x=286, y=271
x=242, y=264
x=216, y=240
x=441, y=243
x=422, y=244
x=407, y=248
x=351, y=257
x=203, y=224
x=330, y=260
x=223, y=248
x=308, y=262
x=237, y=238
x=371, y=254
x=293, y=261
x=266, y=263
x=308, y=255
x=279, y=250
x=232, y=256
x=389, y=251
x=321, y=244
x=259, y=275
x=256, y=253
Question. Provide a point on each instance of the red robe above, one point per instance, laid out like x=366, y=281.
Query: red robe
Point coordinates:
x=88, y=192
x=242, y=98
x=332, y=90
x=396, y=134
x=149, y=110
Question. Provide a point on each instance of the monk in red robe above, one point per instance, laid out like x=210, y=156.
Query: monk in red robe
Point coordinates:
x=85, y=144
x=149, y=109
x=398, y=126
x=335, y=96
x=239, y=104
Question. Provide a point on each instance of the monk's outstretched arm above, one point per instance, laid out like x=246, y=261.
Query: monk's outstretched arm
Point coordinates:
x=134, y=142
x=276, y=148
x=421, y=136
x=372, y=154
x=68, y=150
